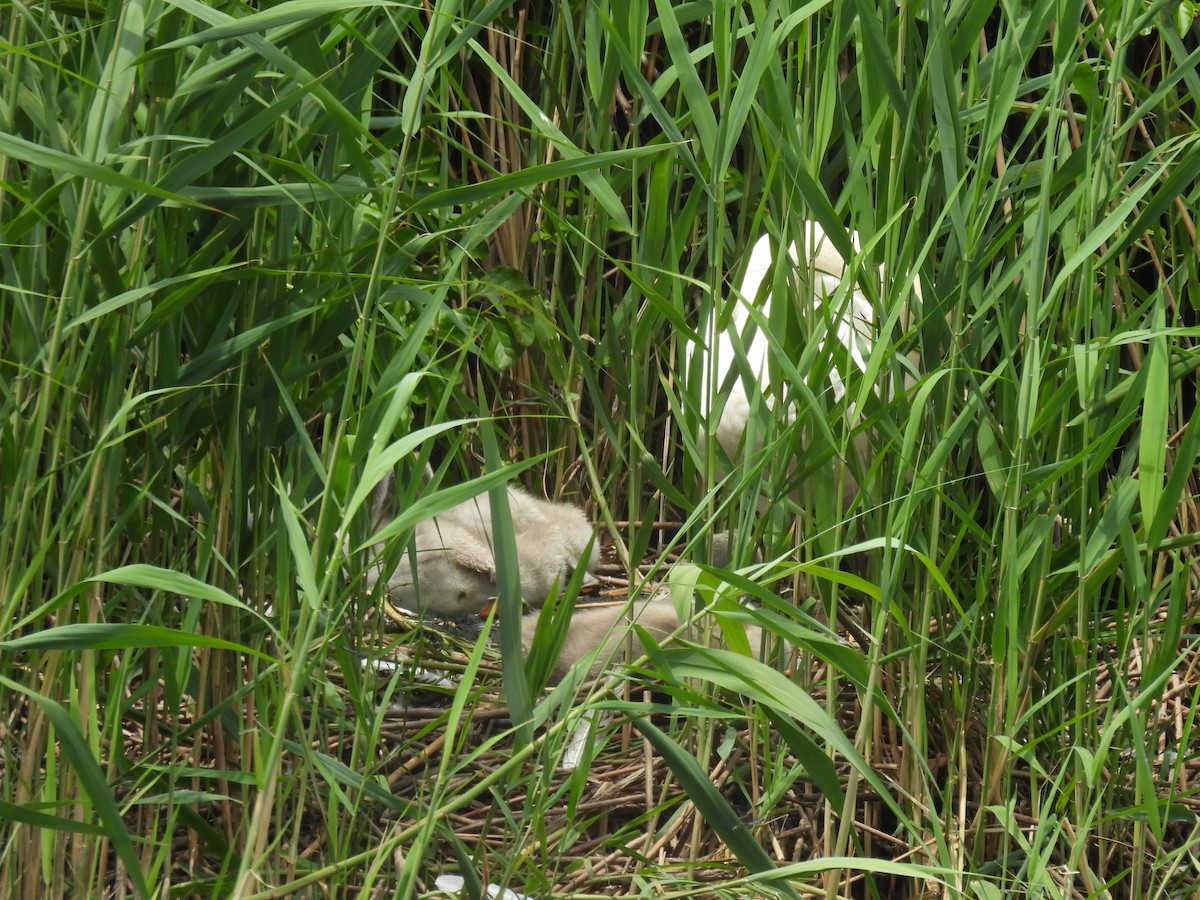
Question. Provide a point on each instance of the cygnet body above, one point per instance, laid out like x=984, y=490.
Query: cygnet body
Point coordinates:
x=455, y=567
x=606, y=629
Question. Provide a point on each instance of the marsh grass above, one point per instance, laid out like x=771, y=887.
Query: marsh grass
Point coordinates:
x=255, y=258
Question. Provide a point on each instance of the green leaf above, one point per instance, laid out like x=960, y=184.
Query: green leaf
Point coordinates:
x=158, y=579
x=508, y=586
x=1152, y=436
x=695, y=95
x=116, y=636
x=1182, y=468
x=714, y=809
x=1104, y=534
x=113, y=304
x=73, y=745
x=530, y=177
x=763, y=684
x=820, y=768
x=64, y=163
x=14, y=813
x=604, y=193
x=292, y=12
x=434, y=502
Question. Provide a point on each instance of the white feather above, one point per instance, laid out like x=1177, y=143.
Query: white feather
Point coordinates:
x=821, y=276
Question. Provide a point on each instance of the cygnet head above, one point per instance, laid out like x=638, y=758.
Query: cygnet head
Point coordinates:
x=454, y=553
x=455, y=572
x=550, y=538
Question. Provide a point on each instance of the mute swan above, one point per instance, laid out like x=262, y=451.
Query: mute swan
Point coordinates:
x=820, y=275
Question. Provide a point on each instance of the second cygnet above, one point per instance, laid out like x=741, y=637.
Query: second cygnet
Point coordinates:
x=607, y=629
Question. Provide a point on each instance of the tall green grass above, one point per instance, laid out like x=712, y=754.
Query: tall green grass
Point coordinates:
x=254, y=257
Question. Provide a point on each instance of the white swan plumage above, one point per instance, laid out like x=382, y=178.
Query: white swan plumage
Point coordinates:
x=822, y=271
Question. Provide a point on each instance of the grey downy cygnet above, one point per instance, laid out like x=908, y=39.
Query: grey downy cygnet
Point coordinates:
x=455, y=566
x=551, y=539
x=605, y=632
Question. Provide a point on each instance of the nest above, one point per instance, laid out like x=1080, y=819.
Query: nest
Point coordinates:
x=448, y=778
x=621, y=824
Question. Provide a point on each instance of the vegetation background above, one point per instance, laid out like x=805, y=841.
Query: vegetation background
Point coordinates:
x=253, y=256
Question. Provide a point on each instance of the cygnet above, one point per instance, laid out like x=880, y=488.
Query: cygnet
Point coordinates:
x=607, y=629
x=449, y=568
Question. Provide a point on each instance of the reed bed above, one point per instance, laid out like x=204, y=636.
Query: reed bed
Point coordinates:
x=255, y=257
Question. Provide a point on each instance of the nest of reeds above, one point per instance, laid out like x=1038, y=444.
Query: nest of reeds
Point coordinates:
x=619, y=823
